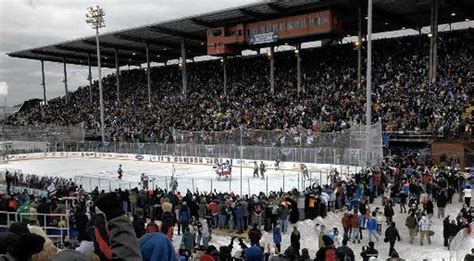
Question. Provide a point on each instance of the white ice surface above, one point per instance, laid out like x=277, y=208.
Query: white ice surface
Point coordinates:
x=201, y=177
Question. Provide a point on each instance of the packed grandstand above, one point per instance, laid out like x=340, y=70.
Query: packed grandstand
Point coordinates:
x=332, y=101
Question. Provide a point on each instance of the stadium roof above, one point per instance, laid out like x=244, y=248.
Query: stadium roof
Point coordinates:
x=164, y=38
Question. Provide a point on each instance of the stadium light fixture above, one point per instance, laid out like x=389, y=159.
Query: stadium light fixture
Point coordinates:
x=386, y=23
x=467, y=20
x=430, y=34
x=453, y=14
x=222, y=60
x=297, y=51
x=134, y=53
x=95, y=18
x=403, y=28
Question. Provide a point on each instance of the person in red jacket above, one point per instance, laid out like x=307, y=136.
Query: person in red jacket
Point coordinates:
x=346, y=224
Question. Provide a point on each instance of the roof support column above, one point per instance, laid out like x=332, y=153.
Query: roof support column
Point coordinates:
x=65, y=80
x=43, y=83
x=90, y=76
x=272, y=70
x=298, y=68
x=117, y=75
x=148, y=73
x=224, y=61
x=368, y=111
x=359, y=50
x=434, y=41
x=184, y=73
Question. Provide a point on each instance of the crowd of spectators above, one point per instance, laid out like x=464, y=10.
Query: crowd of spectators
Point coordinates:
x=102, y=229
x=331, y=99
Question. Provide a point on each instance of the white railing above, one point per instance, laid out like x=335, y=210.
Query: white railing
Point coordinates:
x=12, y=217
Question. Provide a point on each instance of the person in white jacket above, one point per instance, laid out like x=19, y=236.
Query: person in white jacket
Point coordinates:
x=424, y=225
x=467, y=196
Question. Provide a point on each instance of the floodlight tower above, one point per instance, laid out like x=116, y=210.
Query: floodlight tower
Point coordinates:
x=95, y=18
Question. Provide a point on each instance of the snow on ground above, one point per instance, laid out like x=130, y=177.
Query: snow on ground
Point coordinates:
x=202, y=175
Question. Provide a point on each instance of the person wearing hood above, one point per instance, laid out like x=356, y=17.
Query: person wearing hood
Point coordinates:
x=295, y=239
x=23, y=247
x=411, y=224
x=157, y=247
x=391, y=235
x=327, y=252
x=187, y=241
x=254, y=253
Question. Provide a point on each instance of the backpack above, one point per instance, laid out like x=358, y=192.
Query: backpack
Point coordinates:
x=330, y=254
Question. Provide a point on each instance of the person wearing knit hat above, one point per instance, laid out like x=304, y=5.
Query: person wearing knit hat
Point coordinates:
x=26, y=246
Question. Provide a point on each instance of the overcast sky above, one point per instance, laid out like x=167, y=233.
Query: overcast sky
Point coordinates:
x=32, y=23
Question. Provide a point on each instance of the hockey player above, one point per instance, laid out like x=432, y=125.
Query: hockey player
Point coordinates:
x=120, y=172
x=262, y=169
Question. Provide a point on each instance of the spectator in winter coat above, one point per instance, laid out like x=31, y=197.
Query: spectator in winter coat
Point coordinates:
x=411, y=224
x=355, y=228
x=403, y=200
x=123, y=242
x=429, y=208
x=388, y=211
x=344, y=252
x=441, y=202
x=239, y=217
x=187, y=242
x=424, y=224
x=255, y=235
x=453, y=231
x=300, y=204
x=346, y=224
x=277, y=238
x=327, y=252
x=168, y=220
x=391, y=235
x=254, y=253
x=157, y=247
x=446, y=225
x=295, y=239
x=184, y=216
x=369, y=252
x=372, y=228
x=139, y=223
x=467, y=196
x=283, y=213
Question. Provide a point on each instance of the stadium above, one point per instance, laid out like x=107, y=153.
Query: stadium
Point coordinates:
x=274, y=130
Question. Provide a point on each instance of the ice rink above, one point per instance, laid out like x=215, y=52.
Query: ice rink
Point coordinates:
x=91, y=172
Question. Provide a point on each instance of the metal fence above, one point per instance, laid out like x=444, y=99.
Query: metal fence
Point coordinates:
x=285, y=180
x=353, y=146
x=319, y=155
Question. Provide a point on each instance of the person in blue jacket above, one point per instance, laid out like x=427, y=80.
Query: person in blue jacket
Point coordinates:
x=239, y=217
x=372, y=228
x=277, y=238
x=254, y=253
x=157, y=247
x=184, y=216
